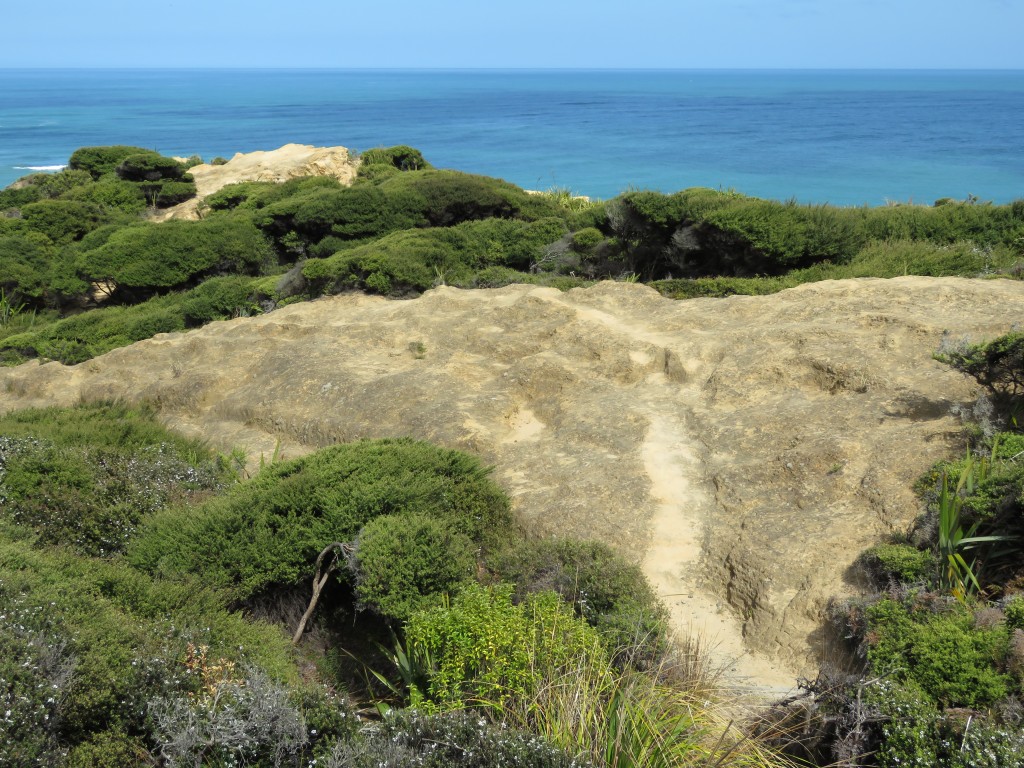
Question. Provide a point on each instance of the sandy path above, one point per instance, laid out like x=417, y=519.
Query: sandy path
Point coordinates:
x=743, y=450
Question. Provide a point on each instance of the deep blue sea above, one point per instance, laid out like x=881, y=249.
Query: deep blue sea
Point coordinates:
x=845, y=137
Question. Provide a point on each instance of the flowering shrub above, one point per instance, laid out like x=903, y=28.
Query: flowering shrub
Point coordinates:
x=92, y=498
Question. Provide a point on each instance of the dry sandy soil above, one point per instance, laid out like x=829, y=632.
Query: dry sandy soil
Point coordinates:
x=745, y=450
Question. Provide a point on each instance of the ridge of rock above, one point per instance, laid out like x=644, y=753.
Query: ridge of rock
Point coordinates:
x=745, y=449
x=288, y=162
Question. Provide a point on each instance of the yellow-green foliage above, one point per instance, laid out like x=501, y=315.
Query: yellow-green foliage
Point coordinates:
x=483, y=649
x=610, y=593
x=80, y=337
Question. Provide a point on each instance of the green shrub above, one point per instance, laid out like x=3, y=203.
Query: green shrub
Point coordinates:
x=165, y=194
x=15, y=198
x=55, y=185
x=904, y=563
x=1014, y=612
x=219, y=161
x=611, y=594
x=109, y=748
x=149, y=166
x=172, y=254
x=123, y=633
x=403, y=558
x=415, y=260
x=26, y=258
x=351, y=213
x=112, y=194
x=484, y=648
x=231, y=196
x=64, y=221
x=954, y=662
x=998, y=364
x=267, y=532
x=83, y=336
x=90, y=494
x=376, y=173
x=99, y=161
x=219, y=298
x=585, y=240
x=445, y=198
x=401, y=157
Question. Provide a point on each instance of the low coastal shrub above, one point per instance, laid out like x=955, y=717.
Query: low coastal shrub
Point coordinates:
x=409, y=738
x=416, y=260
x=28, y=258
x=292, y=510
x=85, y=477
x=402, y=560
x=484, y=649
x=64, y=221
x=400, y=157
x=112, y=629
x=898, y=563
x=99, y=161
x=150, y=257
x=610, y=594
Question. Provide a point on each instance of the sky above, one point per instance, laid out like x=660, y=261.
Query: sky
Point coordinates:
x=684, y=34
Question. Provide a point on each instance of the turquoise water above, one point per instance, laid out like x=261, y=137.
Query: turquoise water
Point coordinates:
x=845, y=137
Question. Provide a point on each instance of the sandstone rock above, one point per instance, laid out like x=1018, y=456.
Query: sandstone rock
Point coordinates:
x=745, y=449
x=288, y=162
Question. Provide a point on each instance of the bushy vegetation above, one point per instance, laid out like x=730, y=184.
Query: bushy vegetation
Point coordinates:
x=294, y=509
x=141, y=659
x=78, y=240
x=943, y=639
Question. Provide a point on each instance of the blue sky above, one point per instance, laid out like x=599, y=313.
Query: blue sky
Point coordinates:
x=526, y=33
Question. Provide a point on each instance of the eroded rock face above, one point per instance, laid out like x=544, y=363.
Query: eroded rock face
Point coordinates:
x=288, y=162
x=745, y=449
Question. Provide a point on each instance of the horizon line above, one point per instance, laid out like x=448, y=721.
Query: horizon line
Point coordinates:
x=313, y=68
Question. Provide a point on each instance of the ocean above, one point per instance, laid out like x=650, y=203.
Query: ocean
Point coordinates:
x=842, y=137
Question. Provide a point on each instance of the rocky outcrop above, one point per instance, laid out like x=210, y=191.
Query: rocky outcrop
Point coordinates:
x=288, y=162
x=744, y=449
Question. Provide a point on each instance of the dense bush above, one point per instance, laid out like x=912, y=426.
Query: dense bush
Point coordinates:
x=64, y=221
x=998, y=364
x=611, y=594
x=150, y=257
x=483, y=648
x=27, y=259
x=112, y=626
x=955, y=662
x=292, y=510
x=99, y=161
x=77, y=338
x=112, y=194
x=402, y=559
x=75, y=486
x=899, y=563
x=419, y=259
x=402, y=157
x=149, y=166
